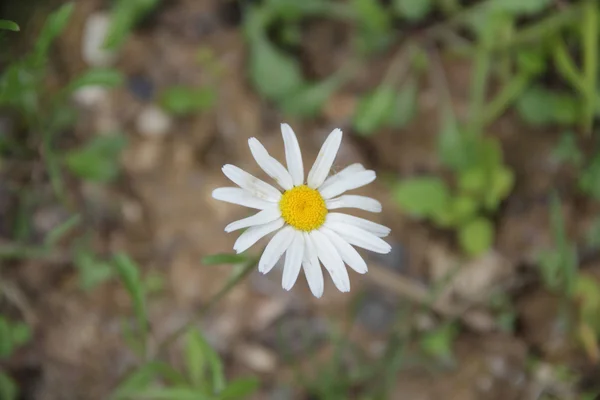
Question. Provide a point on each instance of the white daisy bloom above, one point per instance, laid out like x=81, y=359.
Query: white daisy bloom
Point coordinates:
x=302, y=216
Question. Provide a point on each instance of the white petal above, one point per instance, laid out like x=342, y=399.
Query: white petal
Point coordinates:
x=241, y=197
x=353, y=181
x=271, y=166
x=293, y=155
x=349, y=170
x=293, y=261
x=312, y=267
x=263, y=217
x=331, y=260
x=347, y=252
x=369, y=226
x=354, y=201
x=325, y=158
x=276, y=247
x=254, y=234
x=359, y=237
x=257, y=187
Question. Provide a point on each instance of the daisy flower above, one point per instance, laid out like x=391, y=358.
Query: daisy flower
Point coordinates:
x=308, y=230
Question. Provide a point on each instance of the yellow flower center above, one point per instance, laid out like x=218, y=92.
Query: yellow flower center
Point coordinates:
x=303, y=208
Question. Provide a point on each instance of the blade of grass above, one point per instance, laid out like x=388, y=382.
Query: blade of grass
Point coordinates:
x=63, y=229
x=495, y=108
x=590, y=61
x=566, y=66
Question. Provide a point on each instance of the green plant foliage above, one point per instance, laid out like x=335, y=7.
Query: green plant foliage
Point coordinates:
x=239, y=389
x=422, y=197
x=9, y=25
x=125, y=15
x=558, y=266
x=181, y=100
x=274, y=74
x=91, y=270
x=438, y=342
x=97, y=160
x=13, y=334
x=8, y=388
x=587, y=292
x=129, y=274
x=539, y=106
x=309, y=100
x=405, y=106
x=590, y=176
x=520, y=7
x=54, y=26
x=107, y=77
x=413, y=10
x=224, y=258
x=476, y=236
x=567, y=151
x=374, y=110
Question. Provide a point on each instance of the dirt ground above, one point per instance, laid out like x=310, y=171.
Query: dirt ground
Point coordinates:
x=161, y=212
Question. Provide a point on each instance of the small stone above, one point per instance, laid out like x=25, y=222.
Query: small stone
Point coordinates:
x=257, y=357
x=141, y=87
x=153, y=122
x=376, y=313
x=93, y=38
x=267, y=313
x=396, y=260
x=90, y=96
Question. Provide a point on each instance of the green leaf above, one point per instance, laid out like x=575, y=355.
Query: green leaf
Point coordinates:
x=20, y=334
x=587, y=291
x=8, y=388
x=107, y=77
x=205, y=357
x=532, y=60
x=567, y=151
x=520, y=7
x=502, y=181
x=371, y=15
x=473, y=180
x=98, y=160
x=374, y=110
x=92, y=272
x=413, y=10
x=194, y=355
x=438, y=343
x=181, y=100
x=6, y=344
x=589, y=178
x=477, y=236
x=9, y=25
x=125, y=14
x=141, y=379
x=274, y=74
x=463, y=208
x=592, y=235
x=456, y=149
x=539, y=106
x=54, y=26
x=172, y=393
x=422, y=197
x=239, y=389
x=60, y=231
x=224, y=258
x=130, y=276
x=405, y=106
x=310, y=99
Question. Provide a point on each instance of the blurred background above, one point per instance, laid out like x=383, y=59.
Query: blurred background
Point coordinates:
x=479, y=116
